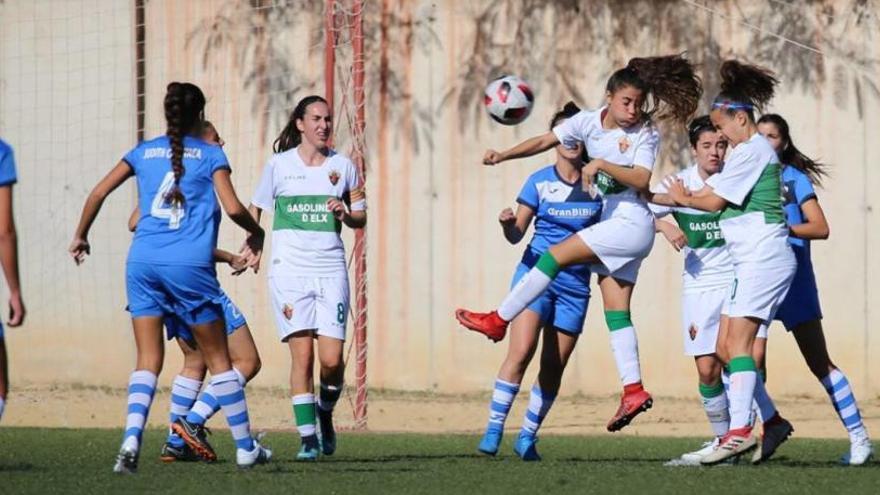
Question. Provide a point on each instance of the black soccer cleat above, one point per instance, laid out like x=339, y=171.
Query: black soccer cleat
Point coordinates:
x=196, y=437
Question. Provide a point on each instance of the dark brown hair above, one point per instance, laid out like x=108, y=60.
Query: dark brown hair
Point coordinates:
x=744, y=88
x=790, y=155
x=669, y=82
x=697, y=127
x=290, y=136
x=184, y=103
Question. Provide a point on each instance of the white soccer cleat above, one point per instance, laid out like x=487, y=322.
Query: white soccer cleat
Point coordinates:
x=735, y=443
x=860, y=452
x=694, y=458
x=126, y=461
x=247, y=459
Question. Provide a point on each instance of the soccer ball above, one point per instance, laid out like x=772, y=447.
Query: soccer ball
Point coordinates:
x=508, y=100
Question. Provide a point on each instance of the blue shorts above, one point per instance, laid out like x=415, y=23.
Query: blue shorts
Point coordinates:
x=561, y=305
x=801, y=304
x=190, y=292
x=175, y=327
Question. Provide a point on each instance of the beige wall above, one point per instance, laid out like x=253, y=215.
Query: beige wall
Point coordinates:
x=67, y=105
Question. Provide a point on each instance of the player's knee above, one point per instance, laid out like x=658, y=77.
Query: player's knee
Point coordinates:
x=618, y=319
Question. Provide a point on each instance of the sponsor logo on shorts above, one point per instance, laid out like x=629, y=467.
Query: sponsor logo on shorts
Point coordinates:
x=692, y=331
x=287, y=309
x=334, y=177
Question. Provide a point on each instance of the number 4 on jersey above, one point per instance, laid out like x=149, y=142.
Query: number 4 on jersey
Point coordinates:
x=161, y=208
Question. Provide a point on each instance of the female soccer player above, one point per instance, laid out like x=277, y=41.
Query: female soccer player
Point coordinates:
x=313, y=191
x=555, y=198
x=170, y=267
x=708, y=273
x=9, y=259
x=185, y=388
x=746, y=193
x=622, y=141
x=800, y=312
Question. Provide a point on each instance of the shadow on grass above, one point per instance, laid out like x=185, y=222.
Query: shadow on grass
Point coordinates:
x=19, y=467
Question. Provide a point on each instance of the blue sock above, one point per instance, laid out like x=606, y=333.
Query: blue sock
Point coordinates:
x=502, y=399
x=540, y=402
x=230, y=395
x=841, y=395
x=183, y=395
x=141, y=388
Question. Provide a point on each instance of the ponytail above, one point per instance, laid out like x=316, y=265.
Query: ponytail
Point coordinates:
x=290, y=136
x=670, y=81
x=744, y=87
x=790, y=155
x=184, y=103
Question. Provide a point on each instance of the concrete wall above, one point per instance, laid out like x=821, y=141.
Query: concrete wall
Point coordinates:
x=67, y=105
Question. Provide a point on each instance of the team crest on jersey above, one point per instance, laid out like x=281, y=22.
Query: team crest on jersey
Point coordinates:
x=692, y=331
x=334, y=177
x=623, y=144
x=288, y=311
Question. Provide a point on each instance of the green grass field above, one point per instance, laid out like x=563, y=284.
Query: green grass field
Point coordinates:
x=79, y=461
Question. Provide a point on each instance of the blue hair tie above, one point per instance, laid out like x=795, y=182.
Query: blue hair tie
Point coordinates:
x=733, y=105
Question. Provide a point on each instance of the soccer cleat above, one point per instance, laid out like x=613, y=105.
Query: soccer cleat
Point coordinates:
x=631, y=405
x=126, y=462
x=172, y=453
x=196, y=436
x=694, y=458
x=525, y=448
x=490, y=442
x=776, y=431
x=860, y=452
x=489, y=324
x=734, y=443
x=328, y=433
x=247, y=459
x=309, y=450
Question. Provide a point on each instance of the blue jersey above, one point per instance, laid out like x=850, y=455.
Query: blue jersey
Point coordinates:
x=561, y=209
x=797, y=190
x=168, y=235
x=7, y=165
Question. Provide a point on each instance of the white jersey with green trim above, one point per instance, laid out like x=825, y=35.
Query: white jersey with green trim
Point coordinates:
x=305, y=234
x=707, y=262
x=637, y=145
x=753, y=221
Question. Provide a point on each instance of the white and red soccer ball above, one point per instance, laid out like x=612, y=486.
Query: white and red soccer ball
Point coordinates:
x=508, y=100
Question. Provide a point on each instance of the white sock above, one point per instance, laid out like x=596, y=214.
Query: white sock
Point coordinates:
x=743, y=377
x=766, y=408
x=625, y=348
x=529, y=287
x=716, y=406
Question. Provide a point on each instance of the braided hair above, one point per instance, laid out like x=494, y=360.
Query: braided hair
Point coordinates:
x=184, y=104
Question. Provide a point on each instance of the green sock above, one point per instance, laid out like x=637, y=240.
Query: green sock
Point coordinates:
x=304, y=414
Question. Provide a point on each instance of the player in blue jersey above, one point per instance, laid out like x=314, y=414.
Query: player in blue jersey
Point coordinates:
x=9, y=259
x=623, y=141
x=800, y=312
x=186, y=401
x=554, y=197
x=170, y=267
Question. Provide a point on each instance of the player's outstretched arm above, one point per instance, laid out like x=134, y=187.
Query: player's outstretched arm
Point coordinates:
x=637, y=177
x=705, y=199
x=79, y=247
x=529, y=147
x=9, y=257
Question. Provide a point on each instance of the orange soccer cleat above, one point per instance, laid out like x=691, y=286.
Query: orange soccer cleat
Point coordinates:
x=489, y=324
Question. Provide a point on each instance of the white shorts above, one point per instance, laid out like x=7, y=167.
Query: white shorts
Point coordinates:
x=310, y=303
x=758, y=290
x=701, y=319
x=621, y=242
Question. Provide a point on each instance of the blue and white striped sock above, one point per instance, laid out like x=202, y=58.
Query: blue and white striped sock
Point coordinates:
x=502, y=398
x=184, y=391
x=207, y=405
x=841, y=395
x=230, y=395
x=540, y=402
x=141, y=388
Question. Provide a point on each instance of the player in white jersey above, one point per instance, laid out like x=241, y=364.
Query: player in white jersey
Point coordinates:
x=623, y=142
x=747, y=194
x=708, y=273
x=313, y=191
